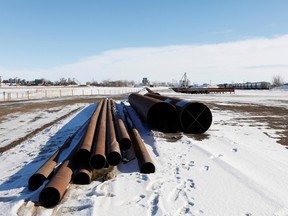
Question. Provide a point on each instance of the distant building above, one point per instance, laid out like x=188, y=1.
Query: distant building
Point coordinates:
x=145, y=81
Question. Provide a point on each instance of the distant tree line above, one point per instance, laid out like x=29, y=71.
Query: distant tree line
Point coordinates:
x=72, y=81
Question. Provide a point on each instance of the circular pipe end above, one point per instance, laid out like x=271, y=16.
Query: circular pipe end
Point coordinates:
x=195, y=118
x=125, y=143
x=114, y=158
x=98, y=161
x=49, y=197
x=147, y=168
x=82, y=178
x=35, y=181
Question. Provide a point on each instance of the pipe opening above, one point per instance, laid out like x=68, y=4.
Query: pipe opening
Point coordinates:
x=114, y=158
x=195, y=118
x=147, y=168
x=82, y=156
x=163, y=116
x=82, y=178
x=49, y=197
x=125, y=143
x=97, y=161
x=35, y=181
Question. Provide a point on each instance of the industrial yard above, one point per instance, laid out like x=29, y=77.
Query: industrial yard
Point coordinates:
x=237, y=166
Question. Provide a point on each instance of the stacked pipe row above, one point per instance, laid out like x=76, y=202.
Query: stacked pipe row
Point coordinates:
x=170, y=114
x=102, y=139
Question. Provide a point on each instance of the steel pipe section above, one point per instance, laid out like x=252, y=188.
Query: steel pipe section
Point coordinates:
x=113, y=152
x=57, y=186
x=84, y=150
x=194, y=117
x=120, y=129
x=158, y=114
x=43, y=173
x=83, y=175
x=98, y=156
x=145, y=162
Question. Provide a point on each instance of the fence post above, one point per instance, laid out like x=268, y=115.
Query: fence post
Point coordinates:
x=28, y=95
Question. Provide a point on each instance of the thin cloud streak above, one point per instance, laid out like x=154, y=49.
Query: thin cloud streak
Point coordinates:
x=250, y=60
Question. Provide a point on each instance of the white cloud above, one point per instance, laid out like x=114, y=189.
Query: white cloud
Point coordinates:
x=248, y=60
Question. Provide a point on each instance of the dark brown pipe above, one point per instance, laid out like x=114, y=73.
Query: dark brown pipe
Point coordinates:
x=158, y=114
x=83, y=175
x=113, y=152
x=194, y=117
x=57, y=186
x=120, y=129
x=98, y=158
x=145, y=162
x=83, y=152
x=46, y=171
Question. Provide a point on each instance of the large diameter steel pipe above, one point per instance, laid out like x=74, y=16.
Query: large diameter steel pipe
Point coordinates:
x=98, y=156
x=113, y=152
x=158, y=114
x=120, y=129
x=194, y=117
x=84, y=150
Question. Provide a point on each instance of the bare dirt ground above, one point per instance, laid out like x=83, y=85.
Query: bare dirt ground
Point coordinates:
x=275, y=117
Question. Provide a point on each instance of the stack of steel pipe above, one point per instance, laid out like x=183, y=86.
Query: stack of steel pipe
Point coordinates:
x=193, y=117
x=158, y=114
x=99, y=144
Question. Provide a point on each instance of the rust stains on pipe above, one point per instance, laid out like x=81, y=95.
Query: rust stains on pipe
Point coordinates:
x=158, y=114
x=98, y=158
x=113, y=152
x=83, y=152
x=145, y=162
x=194, y=117
x=120, y=129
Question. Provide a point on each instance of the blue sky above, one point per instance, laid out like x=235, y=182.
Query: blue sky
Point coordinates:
x=44, y=35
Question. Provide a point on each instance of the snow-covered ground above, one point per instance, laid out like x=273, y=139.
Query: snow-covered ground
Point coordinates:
x=235, y=168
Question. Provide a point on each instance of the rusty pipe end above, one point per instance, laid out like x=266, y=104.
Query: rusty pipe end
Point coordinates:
x=83, y=177
x=163, y=116
x=35, y=181
x=114, y=158
x=147, y=168
x=125, y=143
x=82, y=156
x=49, y=197
x=98, y=161
x=195, y=118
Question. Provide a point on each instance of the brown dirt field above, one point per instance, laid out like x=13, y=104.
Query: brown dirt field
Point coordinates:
x=275, y=117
